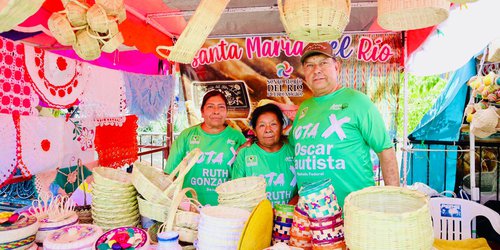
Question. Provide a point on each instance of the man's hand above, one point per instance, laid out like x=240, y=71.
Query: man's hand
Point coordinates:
x=389, y=165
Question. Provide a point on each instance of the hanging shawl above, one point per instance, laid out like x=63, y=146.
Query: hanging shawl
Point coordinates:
x=7, y=147
x=79, y=137
x=59, y=81
x=115, y=145
x=16, y=94
x=148, y=96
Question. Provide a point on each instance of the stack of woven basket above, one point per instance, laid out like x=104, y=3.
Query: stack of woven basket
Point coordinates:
x=89, y=29
x=245, y=193
x=114, y=199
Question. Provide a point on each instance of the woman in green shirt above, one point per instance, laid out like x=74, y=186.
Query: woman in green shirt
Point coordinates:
x=270, y=156
x=218, y=143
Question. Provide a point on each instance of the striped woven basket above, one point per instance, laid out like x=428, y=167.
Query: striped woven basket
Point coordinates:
x=314, y=20
x=387, y=218
x=400, y=15
x=197, y=30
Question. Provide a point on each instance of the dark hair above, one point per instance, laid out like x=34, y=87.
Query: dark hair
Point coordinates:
x=268, y=108
x=213, y=93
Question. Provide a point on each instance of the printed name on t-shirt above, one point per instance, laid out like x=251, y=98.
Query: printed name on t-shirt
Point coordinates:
x=210, y=177
x=214, y=157
x=279, y=196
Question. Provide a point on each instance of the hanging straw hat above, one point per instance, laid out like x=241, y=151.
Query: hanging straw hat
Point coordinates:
x=400, y=15
x=76, y=12
x=87, y=47
x=61, y=29
x=121, y=14
x=113, y=43
x=98, y=19
x=314, y=20
x=14, y=12
x=112, y=7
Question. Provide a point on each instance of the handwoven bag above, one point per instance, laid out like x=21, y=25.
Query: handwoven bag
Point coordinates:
x=197, y=30
x=387, y=217
x=398, y=15
x=152, y=210
x=61, y=29
x=327, y=230
x=113, y=43
x=314, y=20
x=98, y=19
x=319, y=199
x=281, y=232
x=300, y=234
x=76, y=12
x=283, y=213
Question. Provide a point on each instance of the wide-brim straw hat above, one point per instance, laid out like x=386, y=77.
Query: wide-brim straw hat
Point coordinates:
x=76, y=12
x=98, y=19
x=61, y=29
x=400, y=15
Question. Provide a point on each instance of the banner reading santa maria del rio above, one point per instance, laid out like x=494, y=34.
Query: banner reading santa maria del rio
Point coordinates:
x=253, y=71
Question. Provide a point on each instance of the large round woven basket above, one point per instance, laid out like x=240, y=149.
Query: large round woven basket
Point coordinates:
x=314, y=20
x=155, y=211
x=110, y=177
x=387, y=218
x=400, y=15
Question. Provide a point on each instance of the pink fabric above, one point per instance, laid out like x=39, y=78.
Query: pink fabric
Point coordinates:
x=16, y=94
x=78, y=141
x=7, y=147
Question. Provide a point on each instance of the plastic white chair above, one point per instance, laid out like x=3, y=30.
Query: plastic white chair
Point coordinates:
x=452, y=217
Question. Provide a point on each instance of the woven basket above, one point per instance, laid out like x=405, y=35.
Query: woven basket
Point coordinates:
x=76, y=12
x=152, y=210
x=98, y=19
x=84, y=214
x=314, y=20
x=112, y=7
x=494, y=51
x=16, y=11
x=197, y=30
x=186, y=234
x=241, y=187
x=111, y=177
x=61, y=29
x=387, y=218
x=400, y=15
x=319, y=199
x=151, y=182
x=122, y=14
x=327, y=230
x=113, y=43
x=86, y=47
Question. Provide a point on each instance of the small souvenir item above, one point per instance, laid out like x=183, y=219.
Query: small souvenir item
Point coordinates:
x=82, y=236
x=17, y=231
x=123, y=238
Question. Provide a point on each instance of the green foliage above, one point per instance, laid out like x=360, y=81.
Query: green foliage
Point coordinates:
x=158, y=126
x=422, y=94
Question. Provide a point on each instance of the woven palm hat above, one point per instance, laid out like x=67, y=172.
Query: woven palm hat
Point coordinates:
x=76, y=12
x=61, y=29
x=87, y=47
x=113, y=43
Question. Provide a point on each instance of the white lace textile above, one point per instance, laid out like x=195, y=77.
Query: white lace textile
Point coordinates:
x=78, y=141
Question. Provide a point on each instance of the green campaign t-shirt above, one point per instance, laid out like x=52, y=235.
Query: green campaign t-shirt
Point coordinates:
x=276, y=167
x=214, y=165
x=332, y=136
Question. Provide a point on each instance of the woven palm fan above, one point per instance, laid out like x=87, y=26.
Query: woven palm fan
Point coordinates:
x=61, y=29
x=87, y=47
x=76, y=12
x=112, y=7
x=314, y=20
x=98, y=19
x=197, y=30
x=400, y=15
x=14, y=12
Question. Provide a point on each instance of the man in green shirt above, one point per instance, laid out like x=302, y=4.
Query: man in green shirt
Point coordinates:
x=218, y=144
x=333, y=131
x=270, y=156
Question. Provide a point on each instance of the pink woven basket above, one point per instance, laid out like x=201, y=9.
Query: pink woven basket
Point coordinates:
x=327, y=230
x=300, y=234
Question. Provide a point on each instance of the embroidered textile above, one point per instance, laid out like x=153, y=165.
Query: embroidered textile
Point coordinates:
x=41, y=143
x=148, y=96
x=7, y=147
x=70, y=178
x=117, y=146
x=59, y=81
x=43, y=181
x=78, y=141
x=16, y=94
x=104, y=93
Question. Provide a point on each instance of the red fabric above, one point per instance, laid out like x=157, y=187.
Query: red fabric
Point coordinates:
x=117, y=146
